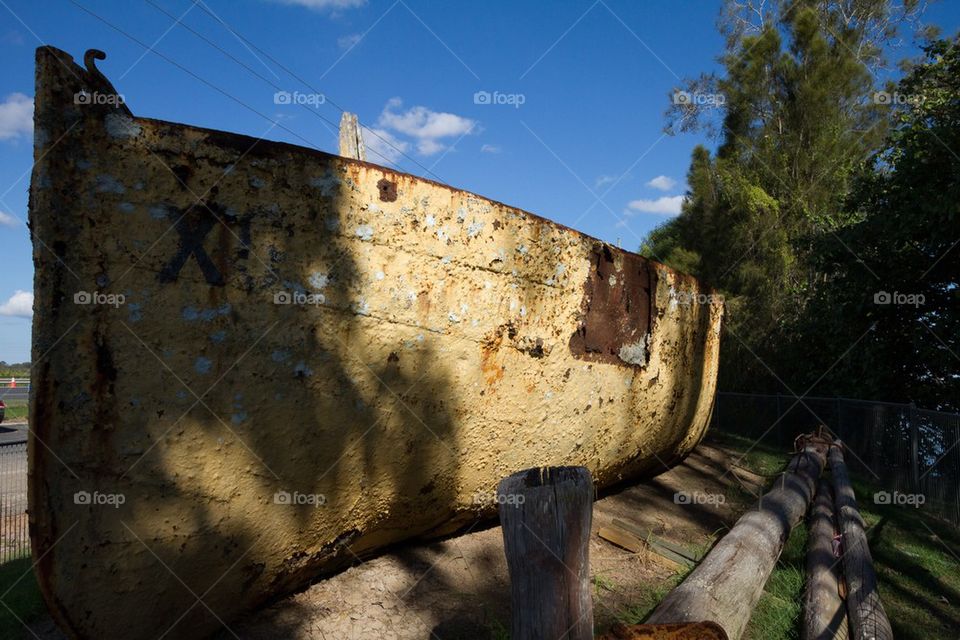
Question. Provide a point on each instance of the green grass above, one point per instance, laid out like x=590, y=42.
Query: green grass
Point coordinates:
x=602, y=583
x=762, y=459
x=23, y=598
x=651, y=597
x=917, y=559
x=777, y=615
x=15, y=409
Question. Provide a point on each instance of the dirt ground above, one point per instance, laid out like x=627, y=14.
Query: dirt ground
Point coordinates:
x=458, y=588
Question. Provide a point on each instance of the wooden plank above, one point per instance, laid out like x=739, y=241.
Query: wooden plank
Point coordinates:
x=546, y=515
x=666, y=548
x=622, y=539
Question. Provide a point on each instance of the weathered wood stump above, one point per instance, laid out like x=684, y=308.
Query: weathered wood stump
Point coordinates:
x=546, y=515
x=727, y=584
x=868, y=620
x=824, y=613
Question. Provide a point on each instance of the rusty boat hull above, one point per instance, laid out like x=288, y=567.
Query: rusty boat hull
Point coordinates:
x=255, y=362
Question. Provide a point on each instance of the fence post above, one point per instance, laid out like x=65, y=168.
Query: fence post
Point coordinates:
x=914, y=448
x=546, y=515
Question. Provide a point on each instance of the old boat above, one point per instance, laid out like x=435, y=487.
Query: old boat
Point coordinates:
x=255, y=362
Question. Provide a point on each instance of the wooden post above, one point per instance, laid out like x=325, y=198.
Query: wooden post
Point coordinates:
x=351, y=137
x=727, y=584
x=867, y=617
x=824, y=614
x=914, y=450
x=546, y=515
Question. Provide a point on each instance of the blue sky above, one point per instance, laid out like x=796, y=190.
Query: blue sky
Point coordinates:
x=554, y=107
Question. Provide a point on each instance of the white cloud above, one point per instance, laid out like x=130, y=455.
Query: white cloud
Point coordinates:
x=16, y=116
x=382, y=146
x=425, y=125
x=490, y=148
x=663, y=183
x=7, y=220
x=429, y=146
x=666, y=205
x=324, y=5
x=349, y=41
x=19, y=305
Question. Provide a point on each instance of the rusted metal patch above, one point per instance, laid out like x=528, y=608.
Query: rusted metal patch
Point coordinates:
x=388, y=190
x=616, y=309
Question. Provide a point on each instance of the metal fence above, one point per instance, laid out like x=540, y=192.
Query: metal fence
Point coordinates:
x=909, y=454
x=14, y=538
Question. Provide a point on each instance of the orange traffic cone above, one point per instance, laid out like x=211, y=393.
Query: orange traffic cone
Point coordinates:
x=13, y=383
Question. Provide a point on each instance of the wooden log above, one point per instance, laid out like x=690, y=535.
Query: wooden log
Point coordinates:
x=546, y=515
x=824, y=612
x=729, y=581
x=868, y=620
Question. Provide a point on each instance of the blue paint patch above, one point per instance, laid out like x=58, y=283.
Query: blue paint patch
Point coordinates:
x=109, y=184
x=218, y=336
x=126, y=207
x=134, y=313
x=280, y=356
x=159, y=211
x=203, y=365
x=301, y=370
x=238, y=418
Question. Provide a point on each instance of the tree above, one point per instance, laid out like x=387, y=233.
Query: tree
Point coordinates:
x=904, y=279
x=795, y=114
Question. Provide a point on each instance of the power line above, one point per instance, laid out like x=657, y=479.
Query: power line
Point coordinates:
x=191, y=73
x=242, y=38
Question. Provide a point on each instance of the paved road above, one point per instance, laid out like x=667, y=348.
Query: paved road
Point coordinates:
x=19, y=393
x=13, y=432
